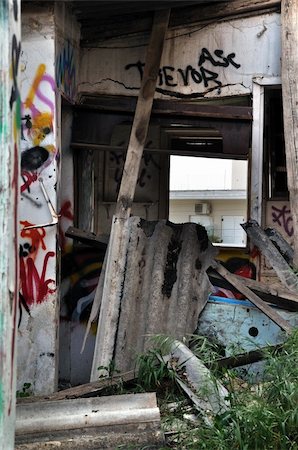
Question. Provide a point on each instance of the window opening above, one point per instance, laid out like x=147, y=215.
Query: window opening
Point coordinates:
x=211, y=192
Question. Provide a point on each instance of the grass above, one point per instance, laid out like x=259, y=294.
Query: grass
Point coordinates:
x=261, y=417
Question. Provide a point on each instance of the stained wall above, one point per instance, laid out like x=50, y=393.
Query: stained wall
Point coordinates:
x=47, y=75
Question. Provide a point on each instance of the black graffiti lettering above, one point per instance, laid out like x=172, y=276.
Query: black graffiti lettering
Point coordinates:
x=185, y=74
x=230, y=58
x=15, y=58
x=190, y=74
x=168, y=77
x=206, y=56
x=212, y=77
x=219, y=54
x=139, y=65
x=196, y=76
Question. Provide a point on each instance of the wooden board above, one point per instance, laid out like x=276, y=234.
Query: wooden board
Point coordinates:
x=255, y=299
x=115, y=262
x=289, y=19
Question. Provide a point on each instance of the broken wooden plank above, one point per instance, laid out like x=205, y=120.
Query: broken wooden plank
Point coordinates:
x=279, y=296
x=84, y=390
x=255, y=299
x=259, y=238
x=281, y=244
x=243, y=359
x=289, y=33
x=87, y=237
x=115, y=263
x=136, y=415
x=142, y=115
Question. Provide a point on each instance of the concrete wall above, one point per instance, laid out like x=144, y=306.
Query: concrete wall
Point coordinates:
x=46, y=56
x=9, y=170
x=190, y=68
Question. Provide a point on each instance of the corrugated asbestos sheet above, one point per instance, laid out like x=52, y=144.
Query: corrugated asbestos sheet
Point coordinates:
x=165, y=286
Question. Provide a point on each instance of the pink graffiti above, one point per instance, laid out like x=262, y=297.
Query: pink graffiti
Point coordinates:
x=282, y=216
x=28, y=178
x=35, y=287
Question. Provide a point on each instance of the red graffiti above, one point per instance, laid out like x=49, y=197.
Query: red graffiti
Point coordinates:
x=65, y=210
x=28, y=178
x=36, y=235
x=64, y=213
x=282, y=216
x=35, y=287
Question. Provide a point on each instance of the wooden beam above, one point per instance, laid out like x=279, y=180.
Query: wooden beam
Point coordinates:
x=84, y=390
x=87, y=237
x=289, y=20
x=120, y=103
x=255, y=299
x=116, y=256
x=284, y=272
x=275, y=295
x=245, y=358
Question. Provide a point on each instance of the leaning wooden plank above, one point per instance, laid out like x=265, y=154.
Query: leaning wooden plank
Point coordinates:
x=255, y=299
x=84, y=390
x=276, y=295
x=282, y=245
x=259, y=238
x=289, y=33
x=115, y=265
x=142, y=115
x=133, y=414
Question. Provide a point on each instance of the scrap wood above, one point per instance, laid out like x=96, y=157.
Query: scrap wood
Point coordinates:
x=87, y=237
x=282, y=245
x=273, y=294
x=83, y=390
x=243, y=359
x=255, y=299
x=260, y=239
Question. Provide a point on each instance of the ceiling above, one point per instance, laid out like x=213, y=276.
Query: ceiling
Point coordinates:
x=101, y=20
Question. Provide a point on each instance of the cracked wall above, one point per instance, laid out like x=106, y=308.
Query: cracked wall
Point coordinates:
x=198, y=62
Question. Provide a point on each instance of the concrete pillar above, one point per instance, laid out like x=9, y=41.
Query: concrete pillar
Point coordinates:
x=10, y=48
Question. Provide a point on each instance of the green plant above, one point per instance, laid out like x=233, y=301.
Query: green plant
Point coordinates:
x=262, y=417
x=25, y=392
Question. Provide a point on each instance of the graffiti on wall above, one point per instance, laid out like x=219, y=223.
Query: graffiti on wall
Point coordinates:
x=37, y=129
x=66, y=71
x=114, y=168
x=35, y=286
x=281, y=216
x=38, y=156
x=80, y=273
x=170, y=76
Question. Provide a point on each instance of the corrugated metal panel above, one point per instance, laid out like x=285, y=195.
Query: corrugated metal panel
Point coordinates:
x=165, y=286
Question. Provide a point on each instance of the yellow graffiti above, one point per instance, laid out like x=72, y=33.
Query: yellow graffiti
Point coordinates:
x=38, y=77
x=42, y=124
